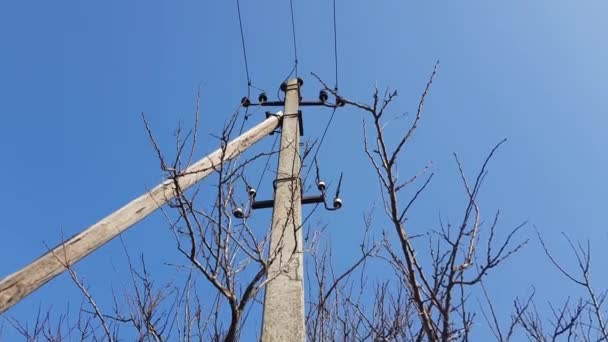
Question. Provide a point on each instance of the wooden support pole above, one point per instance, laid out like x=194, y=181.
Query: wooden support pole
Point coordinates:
x=20, y=284
x=283, y=319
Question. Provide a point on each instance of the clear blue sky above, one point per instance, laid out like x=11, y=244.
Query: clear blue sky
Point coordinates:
x=75, y=75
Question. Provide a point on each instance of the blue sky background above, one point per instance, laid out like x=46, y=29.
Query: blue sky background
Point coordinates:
x=75, y=76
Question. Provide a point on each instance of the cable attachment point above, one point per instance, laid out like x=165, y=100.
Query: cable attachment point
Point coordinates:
x=245, y=102
x=262, y=98
x=321, y=186
x=340, y=102
x=241, y=213
x=337, y=200
x=252, y=192
x=337, y=203
x=238, y=213
x=323, y=96
x=284, y=84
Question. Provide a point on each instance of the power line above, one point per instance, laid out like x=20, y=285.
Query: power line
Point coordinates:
x=335, y=46
x=336, y=89
x=248, y=75
x=291, y=71
x=267, y=161
x=238, y=7
x=243, y=45
x=294, y=69
x=293, y=30
x=321, y=142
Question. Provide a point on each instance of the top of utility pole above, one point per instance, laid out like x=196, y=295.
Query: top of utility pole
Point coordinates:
x=284, y=309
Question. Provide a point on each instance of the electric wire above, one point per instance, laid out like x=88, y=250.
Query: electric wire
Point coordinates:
x=294, y=68
x=335, y=46
x=276, y=138
x=250, y=84
x=246, y=115
x=293, y=30
x=335, y=89
x=291, y=71
x=238, y=8
x=314, y=157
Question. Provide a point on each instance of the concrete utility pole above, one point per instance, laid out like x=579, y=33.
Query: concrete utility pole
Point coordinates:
x=20, y=284
x=283, y=319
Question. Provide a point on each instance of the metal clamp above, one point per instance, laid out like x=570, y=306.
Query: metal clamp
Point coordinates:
x=300, y=122
x=286, y=179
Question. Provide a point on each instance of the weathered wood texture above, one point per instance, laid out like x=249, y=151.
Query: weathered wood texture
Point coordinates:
x=283, y=319
x=20, y=284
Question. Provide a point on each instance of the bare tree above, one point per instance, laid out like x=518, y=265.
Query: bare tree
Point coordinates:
x=428, y=293
x=225, y=250
x=579, y=318
x=438, y=290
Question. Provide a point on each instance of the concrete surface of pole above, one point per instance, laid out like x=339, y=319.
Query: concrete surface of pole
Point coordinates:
x=283, y=319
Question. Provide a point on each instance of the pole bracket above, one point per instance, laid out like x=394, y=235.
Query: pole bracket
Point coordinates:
x=286, y=179
x=280, y=117
x=270, y=203
x=300, y=122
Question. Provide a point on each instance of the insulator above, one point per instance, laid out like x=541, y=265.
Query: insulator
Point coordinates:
x=321, y=186
x=284, y=84
x=252, y=192
x=323, y=96
x=245, y=102
x=238, y=213
x=337, y=203
x=262, y=98
x=340, y=101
